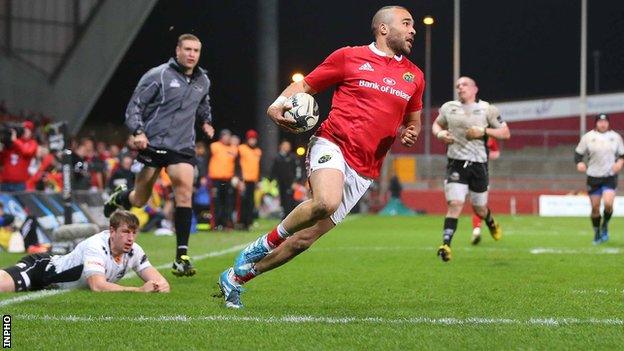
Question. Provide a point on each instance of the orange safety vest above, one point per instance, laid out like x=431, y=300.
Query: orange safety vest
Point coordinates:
x=250, y=162
x=222, y=161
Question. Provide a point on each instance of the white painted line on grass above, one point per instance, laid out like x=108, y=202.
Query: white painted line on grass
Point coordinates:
x=598, y=291
x=564, y=251
x=46, y=293
x=30, y=296
x=544, y=321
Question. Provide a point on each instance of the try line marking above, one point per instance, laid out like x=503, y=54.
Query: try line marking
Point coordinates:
x=289, y=319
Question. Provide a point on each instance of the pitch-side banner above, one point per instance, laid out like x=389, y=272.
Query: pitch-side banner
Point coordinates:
x=559, y=107
x=573, y=206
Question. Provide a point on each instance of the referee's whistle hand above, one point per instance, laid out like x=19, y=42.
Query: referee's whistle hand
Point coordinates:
x=140, y=141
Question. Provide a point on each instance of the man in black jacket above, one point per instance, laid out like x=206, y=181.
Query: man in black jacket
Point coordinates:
x=286, y=170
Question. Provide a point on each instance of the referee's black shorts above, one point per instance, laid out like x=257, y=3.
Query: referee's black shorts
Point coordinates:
x=158, y=158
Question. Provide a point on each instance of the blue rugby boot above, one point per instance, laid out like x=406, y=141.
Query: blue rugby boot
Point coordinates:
x=253, y=253
x=230, y=289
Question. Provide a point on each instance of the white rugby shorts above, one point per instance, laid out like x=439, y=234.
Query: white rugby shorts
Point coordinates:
x=322, y=153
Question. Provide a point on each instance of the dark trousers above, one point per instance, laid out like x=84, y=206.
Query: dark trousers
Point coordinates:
x=223, y=199
x=286, y=199
x=248, y=204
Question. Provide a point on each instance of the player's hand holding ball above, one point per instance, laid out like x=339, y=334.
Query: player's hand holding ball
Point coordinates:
x=475, y=132
x=277, y=110
x=445, y=136
x=297, y=114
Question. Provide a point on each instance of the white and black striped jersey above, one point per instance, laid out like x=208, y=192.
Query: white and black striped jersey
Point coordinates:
x=93, y=256
x=458, y=118
x=602, y=150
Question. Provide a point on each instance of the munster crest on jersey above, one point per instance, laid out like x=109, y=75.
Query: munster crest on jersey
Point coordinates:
x=408, y=76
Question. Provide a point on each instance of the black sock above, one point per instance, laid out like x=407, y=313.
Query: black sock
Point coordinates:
x=606, y=216
x=489, y=220
x=596, y=224
x=123, y=199
x=183, y=217
x=450, y=225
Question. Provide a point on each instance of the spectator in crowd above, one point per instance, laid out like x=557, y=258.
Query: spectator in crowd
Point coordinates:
x=123, y=174
x=221, y=170
x=286, y=170
x=201, y=158
x=80, y=166
x=16, y=158
x=249, y=156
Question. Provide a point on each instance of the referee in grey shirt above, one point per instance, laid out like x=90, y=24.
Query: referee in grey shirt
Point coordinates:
x=604, y=151
x=161, y=116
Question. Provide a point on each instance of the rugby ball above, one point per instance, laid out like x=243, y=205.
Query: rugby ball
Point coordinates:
x=304, y=110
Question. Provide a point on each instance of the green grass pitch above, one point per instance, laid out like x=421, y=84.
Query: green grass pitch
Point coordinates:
x=372, y=283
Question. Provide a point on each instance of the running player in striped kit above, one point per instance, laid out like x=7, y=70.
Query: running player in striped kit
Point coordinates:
x=465, y=125
x=605, y=151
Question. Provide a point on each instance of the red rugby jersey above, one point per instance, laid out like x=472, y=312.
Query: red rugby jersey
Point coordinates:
x=373, y=94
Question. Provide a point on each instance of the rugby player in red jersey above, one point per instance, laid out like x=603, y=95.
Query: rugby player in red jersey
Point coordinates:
x=378, y=92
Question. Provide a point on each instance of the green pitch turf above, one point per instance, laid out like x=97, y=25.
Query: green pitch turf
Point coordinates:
x=373, y=283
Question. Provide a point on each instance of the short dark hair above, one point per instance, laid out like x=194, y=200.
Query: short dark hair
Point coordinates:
x=187, y=36
x=120, y=217
x=382, y=16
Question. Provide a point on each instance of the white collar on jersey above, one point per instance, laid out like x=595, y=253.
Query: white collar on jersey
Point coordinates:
x=374, y=49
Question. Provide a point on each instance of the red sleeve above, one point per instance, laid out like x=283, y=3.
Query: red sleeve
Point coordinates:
x=26, y=149
x=328, y=73
x=492, y=144
x=415, y=103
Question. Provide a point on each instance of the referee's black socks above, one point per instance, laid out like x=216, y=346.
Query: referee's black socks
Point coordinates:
x=183, y=218
x=450, y=226
x=123, y=199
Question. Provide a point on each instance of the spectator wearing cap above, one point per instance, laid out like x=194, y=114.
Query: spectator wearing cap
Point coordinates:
x=221, y=170
x=250, y=155
x=16, y=158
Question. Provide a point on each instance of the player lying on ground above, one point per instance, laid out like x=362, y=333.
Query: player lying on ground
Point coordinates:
x=97, y=262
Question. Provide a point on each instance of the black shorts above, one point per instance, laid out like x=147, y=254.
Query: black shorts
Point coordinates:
x=158, y=158
x=29, y=273
x=475, y=174
x=596, y=185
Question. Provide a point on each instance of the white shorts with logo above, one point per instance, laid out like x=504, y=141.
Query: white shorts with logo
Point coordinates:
x=322, y=153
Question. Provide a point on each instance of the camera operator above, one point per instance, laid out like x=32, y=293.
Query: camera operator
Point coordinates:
x=15, y=158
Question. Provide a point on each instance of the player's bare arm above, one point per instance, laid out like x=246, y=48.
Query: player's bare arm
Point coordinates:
x=153, y=275
x=617, y=166
x=442, y=133
x=412, y=125
x=98, y=283
x=277, y=108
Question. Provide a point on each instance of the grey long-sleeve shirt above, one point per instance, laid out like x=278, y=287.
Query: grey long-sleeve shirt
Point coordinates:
x=165, y=104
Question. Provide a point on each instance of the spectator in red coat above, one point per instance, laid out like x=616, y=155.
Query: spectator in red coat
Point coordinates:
x=16, y=159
